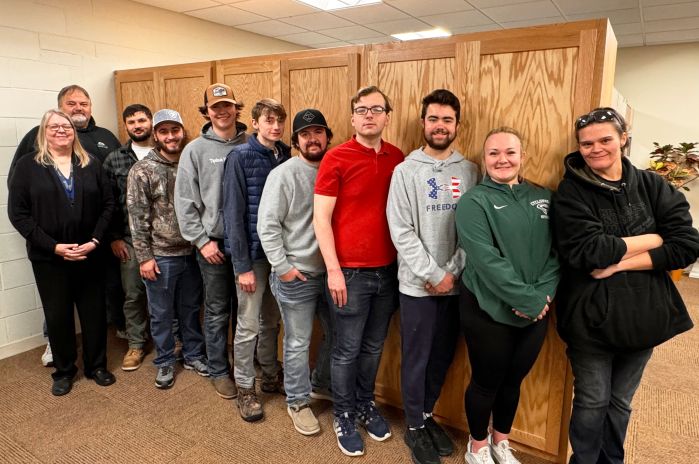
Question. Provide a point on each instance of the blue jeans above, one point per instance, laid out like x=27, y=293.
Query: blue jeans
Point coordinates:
x=219, y=303
x=320, y=378
x=258, y=327
x=177, y=292
x=604, y=386
x=360, y=330
x=298, y=302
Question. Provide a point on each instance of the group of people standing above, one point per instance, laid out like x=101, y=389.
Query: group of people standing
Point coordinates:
x=234, y=222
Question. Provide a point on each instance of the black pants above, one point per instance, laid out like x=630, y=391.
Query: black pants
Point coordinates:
x=62, y=285
x=114, y=291
x=501, y=356
x=429, y=328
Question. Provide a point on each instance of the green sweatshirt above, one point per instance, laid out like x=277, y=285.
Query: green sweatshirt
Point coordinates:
x=506, y=235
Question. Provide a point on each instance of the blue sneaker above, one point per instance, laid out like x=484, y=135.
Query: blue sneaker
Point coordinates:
x=348, y=438
x=372, y=420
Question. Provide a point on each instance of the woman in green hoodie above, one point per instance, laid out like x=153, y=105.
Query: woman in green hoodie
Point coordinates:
x=509, y=280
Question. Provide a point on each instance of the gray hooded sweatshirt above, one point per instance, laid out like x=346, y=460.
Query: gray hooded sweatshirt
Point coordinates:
x=199, y=188
x=421, y=205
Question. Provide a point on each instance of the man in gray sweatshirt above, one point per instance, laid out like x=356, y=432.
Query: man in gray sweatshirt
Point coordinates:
x=198, y=204
x=285, y=229
x=422, y=200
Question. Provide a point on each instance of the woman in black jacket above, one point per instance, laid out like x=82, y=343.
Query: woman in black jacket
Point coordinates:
x=618, y=231
x=61, y=202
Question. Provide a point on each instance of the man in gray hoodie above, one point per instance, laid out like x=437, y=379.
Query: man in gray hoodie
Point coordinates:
x=198, y=204
x=285, y=228
x=422, y=199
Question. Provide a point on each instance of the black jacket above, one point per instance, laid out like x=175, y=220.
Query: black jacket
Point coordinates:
x=40, y=210
x=632, y=310
x=97, y=141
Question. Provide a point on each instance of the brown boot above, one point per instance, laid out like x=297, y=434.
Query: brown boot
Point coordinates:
x=132, y=359
x=249, y=406
x=273, y=384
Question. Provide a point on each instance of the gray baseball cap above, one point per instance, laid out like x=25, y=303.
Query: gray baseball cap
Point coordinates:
x=167, y=115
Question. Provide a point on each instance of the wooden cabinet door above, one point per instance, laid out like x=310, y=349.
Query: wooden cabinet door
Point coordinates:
x=182, y=88
x=251, y=81
x=134, y=87
x=326, y=83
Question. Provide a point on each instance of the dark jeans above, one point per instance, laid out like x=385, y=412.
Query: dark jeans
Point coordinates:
x=501, y=356
x=429, y=328
x=360, y=330
x=220, y=302
x=177, y=292
x=604, y=386
x=63, y=285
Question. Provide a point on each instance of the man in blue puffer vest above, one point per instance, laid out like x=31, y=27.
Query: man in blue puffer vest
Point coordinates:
x=245, y=173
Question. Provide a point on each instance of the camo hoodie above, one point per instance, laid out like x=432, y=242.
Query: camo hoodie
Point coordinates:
x=150, y=201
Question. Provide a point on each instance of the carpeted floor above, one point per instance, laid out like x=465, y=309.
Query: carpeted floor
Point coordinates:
x=133, y=422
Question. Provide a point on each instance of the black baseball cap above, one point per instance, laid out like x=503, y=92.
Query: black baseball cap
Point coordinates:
x=307, y=118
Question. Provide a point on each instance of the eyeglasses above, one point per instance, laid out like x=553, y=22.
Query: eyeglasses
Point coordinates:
x=56, y=127
x=596, y=116
x=363, y=110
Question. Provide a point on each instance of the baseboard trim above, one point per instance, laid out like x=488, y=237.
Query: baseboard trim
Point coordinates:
x=20, y=346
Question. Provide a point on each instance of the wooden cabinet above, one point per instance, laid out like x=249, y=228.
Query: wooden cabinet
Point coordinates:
x=536, y=80
x=178, y=87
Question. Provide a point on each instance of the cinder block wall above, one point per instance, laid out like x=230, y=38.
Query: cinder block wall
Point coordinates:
x=47, y=44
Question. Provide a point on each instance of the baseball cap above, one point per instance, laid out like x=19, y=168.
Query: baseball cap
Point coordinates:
x=167, y=115
x=218, y=92
x=306, y=118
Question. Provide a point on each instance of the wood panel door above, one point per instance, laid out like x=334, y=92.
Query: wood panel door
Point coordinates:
x=324, y=83
x=182, y=88
x=134, y=87
x=251, y=81
x=536, y=80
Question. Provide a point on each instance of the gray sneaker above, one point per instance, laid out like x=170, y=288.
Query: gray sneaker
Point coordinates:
x=199, y=366
x=165, y=377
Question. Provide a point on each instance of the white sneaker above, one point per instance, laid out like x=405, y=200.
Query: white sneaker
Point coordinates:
x=481, y=457
x=47, y=357
x=502, y=451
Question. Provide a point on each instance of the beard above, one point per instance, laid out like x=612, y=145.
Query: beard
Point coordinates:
x=80, y=120
x=170, y=151
x=140, y=138
x=317, y=156
x=439, y=145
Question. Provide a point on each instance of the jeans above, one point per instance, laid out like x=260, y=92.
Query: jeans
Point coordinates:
x=360, y=330
x=177, y=292
x=219, y=304
x=429, y=329
x=320, y=378
x=258, y=324
x=604, y=386
x=298, y=302
x=135, y=301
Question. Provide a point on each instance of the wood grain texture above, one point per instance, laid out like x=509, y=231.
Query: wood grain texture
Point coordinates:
x=406, y=83
x=185, y=95
x=534, y=93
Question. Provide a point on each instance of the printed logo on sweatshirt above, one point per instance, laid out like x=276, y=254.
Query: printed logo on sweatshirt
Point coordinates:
x=217, y=160
x=543, y=206
x=454, y=187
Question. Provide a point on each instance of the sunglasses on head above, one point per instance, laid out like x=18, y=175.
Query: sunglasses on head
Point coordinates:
x=596, y=116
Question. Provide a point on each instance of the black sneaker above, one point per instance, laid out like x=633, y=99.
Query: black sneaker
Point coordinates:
x=421, y=448
x=440, y=439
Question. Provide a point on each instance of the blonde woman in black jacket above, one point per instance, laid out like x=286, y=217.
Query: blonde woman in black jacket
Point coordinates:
x=61, y=202
x=618, y=231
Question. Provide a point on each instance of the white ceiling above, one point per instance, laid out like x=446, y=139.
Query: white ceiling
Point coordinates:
x=635, y=22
